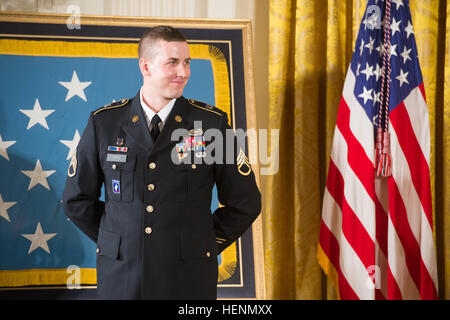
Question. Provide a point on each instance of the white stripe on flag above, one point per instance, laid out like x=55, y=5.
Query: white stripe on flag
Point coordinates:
x=398, y=266
x=428, y=252
x=402, y=177
x=418, y=116
x=359, y=122
x=355, y=193
x=417, y=219
x=351, y=266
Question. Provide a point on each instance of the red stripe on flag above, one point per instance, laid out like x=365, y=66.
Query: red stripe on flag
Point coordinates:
x=355, y=233
x=419, y=273
x=427, y=289
x=418, y=165
x=330, y=246
x=363, y=167
x=393, y=289
x=422, y=89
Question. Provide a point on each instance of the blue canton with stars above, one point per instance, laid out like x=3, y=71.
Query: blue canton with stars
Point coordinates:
x=44, y=106
x=367, y=60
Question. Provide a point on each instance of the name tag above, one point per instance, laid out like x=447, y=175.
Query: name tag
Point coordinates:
x=113, y=157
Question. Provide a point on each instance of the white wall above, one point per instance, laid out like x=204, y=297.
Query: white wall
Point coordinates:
x=226, y=9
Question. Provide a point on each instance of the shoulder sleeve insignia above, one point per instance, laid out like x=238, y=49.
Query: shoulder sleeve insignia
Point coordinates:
x=72, y=170
x=113, y=105
x=243, y=164
x=204, y=106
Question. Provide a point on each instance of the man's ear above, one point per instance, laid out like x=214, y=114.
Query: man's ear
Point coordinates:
x=145, y=66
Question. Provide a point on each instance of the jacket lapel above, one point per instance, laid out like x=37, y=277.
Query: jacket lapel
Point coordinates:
x=137, y=128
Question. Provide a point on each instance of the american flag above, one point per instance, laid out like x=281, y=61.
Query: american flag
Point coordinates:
x=376, y=234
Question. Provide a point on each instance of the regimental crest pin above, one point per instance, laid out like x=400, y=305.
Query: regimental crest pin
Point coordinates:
x=119, y=141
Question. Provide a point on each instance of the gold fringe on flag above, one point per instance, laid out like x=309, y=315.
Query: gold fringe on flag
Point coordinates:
x=36, y=277
x=227, y=267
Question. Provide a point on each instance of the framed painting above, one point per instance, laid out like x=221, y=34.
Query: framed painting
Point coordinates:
x=55, y=70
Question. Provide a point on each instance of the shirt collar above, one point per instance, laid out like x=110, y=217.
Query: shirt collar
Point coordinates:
x=163, y=113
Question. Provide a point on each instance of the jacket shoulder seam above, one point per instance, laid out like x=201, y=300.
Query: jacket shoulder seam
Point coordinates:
x=113, y=105
x=205, y=106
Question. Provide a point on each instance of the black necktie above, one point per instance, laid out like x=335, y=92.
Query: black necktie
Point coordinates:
x=154, y=127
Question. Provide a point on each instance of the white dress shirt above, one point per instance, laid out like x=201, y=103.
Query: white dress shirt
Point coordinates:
x=163, y=113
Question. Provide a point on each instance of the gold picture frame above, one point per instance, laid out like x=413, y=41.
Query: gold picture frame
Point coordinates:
x=13, y=26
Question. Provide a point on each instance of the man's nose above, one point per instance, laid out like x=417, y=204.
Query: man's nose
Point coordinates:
x=183, y=71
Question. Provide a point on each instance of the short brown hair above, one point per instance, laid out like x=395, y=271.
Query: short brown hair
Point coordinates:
x=153, y=34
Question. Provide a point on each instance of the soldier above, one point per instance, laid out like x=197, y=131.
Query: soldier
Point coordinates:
x=155, y=233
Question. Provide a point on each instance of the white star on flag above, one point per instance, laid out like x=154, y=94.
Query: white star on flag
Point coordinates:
x=376, y=97
x=72, y=144
x=37, y=115
x=402, y=77
x=75, y=87
x=405, y=55
x=377, y=72
x=4, y=206
x=395, y=26
x=361, y=47
x=409, y=30
x=373, y=21
x=38, y=176
x=366, y=95
x=39, y=239
x=398, y=3
x=3, y=146
x=393, y=52
x=368, y=71
x=380, y=48
x=370, y=45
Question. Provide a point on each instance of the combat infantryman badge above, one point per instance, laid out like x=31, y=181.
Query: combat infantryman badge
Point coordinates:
x=196, y=132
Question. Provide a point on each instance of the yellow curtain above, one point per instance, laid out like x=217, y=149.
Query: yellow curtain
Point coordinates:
x=311, y=44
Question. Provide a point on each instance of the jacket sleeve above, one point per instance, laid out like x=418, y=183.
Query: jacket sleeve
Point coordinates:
x=83, y=185
x=238, y=193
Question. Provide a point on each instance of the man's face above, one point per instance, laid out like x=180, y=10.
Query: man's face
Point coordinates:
x=169, y=69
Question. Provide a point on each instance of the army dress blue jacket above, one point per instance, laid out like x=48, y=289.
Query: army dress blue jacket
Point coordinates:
x=156, y=235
